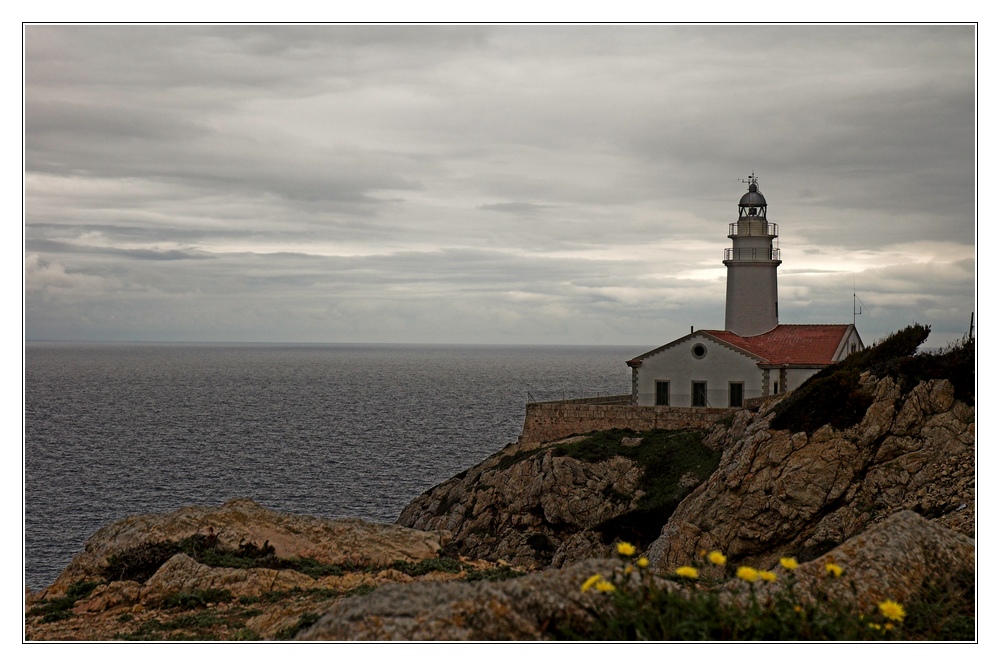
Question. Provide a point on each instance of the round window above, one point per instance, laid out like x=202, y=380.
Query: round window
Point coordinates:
x=699, y=351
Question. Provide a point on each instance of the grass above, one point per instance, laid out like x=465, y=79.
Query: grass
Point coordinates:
x=60, y=608
x=202, y=625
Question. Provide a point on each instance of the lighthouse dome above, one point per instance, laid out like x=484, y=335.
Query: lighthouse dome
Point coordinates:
x=753, y=197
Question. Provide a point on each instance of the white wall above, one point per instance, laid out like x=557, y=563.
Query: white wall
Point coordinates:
x=855, y=340
x=680, y=367
x=795, y=377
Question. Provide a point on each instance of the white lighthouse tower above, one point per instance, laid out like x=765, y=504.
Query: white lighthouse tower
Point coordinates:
x=752, y=268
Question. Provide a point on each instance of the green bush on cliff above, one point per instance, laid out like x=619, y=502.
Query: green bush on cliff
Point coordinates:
x=665, y=457
x=833, y=395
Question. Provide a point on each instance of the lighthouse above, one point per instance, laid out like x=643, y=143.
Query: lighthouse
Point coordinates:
x=754, y=356
x=752, y=268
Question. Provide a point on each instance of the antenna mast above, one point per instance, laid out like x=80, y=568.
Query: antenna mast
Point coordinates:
x=857, y=310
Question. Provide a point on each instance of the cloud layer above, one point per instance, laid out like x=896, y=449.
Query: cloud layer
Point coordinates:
x=489, y=184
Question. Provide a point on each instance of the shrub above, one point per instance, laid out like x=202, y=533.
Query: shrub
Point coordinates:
x=665, y=457
x=139, y=563
x=833, y=395
x=197, y=598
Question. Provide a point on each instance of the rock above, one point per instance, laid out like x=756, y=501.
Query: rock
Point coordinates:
x=776, y=492
x=241, y=521
x=896, y=559
x=524, y=512
x=183, y=575
x=267, y=601
x=522, y=609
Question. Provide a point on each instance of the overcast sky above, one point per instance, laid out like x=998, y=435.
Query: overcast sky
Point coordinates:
x=564, y=185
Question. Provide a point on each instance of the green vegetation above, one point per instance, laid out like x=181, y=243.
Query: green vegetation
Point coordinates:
x=288, y=633
x=765, y=607
x=445, y=564
x=945, y=611
x=199, y=626
x=665, y=457
x=197, y=598
x=60, y=608
x=494, y=575
x=833, y=395
x=141, y=562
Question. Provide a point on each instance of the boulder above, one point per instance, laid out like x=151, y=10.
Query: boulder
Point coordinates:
x=527, y=512
x=522, y=609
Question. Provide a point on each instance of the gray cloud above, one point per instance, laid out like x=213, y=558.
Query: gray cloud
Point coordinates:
x=514, y=208
x=494, y=184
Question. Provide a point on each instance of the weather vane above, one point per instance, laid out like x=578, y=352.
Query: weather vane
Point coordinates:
x=751, y=179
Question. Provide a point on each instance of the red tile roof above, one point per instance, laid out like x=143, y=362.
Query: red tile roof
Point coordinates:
x=793, y=344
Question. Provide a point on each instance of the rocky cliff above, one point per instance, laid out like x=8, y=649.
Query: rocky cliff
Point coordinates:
x=778, y=492
x=566, y=501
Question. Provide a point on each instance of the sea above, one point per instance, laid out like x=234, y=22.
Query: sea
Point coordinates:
x=336, y=431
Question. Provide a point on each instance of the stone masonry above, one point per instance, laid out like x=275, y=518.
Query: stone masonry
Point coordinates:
x=551, y=421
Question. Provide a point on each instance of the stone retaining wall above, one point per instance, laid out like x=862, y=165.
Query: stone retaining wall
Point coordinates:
x=549, y=421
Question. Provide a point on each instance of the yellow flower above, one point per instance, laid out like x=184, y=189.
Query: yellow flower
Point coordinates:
x=768, y=576
x=628, y=569
x=642, y=562
x=625, y=548
x=717, y=558
x=892, y=610
x=888, y=626
x=686, y=572
x=604, y=586
x=833, y=570
x=591, y=582
x=789, y=563
x=798, y=609
x=876, y=627
x=748, y=574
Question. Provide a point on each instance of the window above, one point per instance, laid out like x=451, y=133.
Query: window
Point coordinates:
x=854, y=347
x=735, y=394
x=775, y=388
x=662, y=393
x=699, y=351
x=699, y=394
